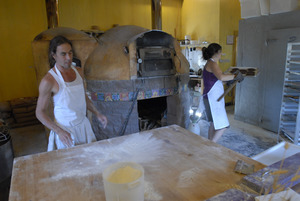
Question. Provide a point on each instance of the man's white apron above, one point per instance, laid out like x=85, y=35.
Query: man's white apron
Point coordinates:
x=70, y=112
x=217, y=109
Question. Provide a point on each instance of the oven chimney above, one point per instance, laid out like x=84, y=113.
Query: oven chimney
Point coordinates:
x=52, y=13
x=156, y=14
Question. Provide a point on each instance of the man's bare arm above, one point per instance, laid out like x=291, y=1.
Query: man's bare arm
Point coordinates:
x=90, y=105
x=45, y=91
x=93, y=109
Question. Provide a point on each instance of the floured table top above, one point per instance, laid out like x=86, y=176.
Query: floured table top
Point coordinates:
x=178, y=164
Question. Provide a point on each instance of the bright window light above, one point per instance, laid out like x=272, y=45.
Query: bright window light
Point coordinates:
x=198, y=114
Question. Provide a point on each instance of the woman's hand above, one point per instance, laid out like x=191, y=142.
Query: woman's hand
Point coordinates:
x=238, y=76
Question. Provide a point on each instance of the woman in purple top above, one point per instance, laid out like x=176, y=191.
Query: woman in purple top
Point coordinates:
x=213, y=89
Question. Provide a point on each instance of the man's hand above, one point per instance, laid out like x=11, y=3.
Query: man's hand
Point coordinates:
x=65, y=138
x=93, y=109
x=102, y=119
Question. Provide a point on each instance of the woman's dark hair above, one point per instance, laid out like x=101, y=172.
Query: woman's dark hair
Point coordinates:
x=209, y=51
x=54, y=43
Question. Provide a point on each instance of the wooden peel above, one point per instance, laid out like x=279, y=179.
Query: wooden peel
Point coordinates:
x=227, y=90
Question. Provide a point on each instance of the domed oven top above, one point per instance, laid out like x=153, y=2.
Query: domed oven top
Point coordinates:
x=130, y=52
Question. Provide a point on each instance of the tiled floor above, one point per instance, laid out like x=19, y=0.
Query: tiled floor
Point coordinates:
x=29, y=140
x=241, y=137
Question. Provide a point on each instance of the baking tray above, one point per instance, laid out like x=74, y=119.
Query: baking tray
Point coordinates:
x=277, y=153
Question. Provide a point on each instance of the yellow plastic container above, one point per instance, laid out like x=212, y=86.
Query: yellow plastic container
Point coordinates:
x=124, y=181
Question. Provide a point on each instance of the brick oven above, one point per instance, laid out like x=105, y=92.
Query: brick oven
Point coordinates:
x=138, y=78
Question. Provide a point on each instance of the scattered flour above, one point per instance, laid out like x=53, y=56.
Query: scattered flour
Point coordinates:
x=92, y=160
x=187, y=178
x=150, y=193
x=15, y=195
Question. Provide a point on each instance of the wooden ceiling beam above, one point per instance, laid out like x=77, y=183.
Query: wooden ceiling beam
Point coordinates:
x=52, y=13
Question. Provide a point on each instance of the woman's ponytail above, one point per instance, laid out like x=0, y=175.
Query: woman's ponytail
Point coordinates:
x=208, y=52
x=205, y=53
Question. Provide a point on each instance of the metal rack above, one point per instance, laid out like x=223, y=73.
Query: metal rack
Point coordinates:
x=289, y=124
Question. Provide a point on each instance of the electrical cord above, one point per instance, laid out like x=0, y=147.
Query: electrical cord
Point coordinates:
x=124, y=126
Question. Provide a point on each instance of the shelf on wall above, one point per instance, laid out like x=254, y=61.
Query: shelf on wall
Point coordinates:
x=289, y=124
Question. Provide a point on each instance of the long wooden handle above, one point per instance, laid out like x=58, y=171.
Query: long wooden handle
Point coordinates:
x=227, y=90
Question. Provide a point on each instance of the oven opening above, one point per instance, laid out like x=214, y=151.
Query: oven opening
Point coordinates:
x=152, y=113
x=156, y=61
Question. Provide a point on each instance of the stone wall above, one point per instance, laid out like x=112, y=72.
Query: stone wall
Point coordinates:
x=115, y=99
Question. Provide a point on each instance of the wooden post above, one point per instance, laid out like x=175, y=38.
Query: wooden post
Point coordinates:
x=52, y=13
x=156, y=14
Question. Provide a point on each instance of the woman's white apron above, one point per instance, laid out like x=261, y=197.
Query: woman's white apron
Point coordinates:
x=217, y=108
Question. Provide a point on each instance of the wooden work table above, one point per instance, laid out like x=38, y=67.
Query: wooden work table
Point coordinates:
x=178, y=164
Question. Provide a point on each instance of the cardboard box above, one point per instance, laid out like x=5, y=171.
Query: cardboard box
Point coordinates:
x=254, y=8
x=281, y=6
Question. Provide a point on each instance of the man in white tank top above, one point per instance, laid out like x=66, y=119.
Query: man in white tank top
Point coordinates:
x=65, y=83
